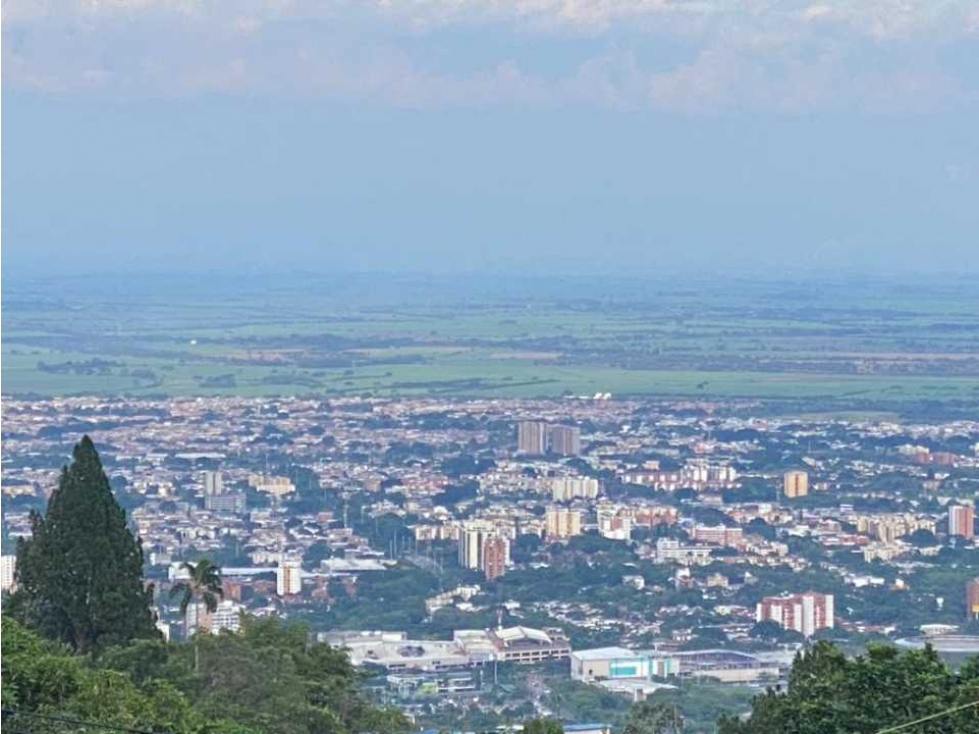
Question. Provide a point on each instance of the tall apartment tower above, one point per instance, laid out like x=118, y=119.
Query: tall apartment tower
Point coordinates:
x=483, y=548
x=288, y=578
x=972, y=599
x=532, y=437
x=496, y=553
x=566, y=440
x=213, y=483
x=795, y=484
x=804, y=613
x=561, y=522
x=962, y=521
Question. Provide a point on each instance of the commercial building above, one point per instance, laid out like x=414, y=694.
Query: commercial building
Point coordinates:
x=288, y=578
x=394, y=652
x=532, y=437
x=609, y=663
x=961, y=521
x=727, y=666
x=467, y=648
x=566, y=440
x=564, y=489
x=527, y=645
x=561, y=522
x=795, y=484
x=804, y=613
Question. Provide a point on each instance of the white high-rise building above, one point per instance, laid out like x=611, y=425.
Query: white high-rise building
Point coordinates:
x=288, y=578
x=8, y=567
x=213, y=483
x=471, y=538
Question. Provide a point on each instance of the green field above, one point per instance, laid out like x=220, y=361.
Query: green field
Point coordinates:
x=835, y=346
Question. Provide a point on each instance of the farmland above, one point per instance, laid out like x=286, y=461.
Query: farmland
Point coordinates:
x=842, y=345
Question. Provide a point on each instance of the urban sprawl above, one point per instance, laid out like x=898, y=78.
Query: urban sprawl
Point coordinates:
x=630, y=545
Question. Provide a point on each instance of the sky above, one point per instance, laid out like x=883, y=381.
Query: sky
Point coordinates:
x=618, y=137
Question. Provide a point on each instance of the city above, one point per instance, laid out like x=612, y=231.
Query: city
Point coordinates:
x=479, y=556
x=489, y=367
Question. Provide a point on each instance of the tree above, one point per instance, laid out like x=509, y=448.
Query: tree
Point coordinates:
x=542, y=726
x=202, y=587
x=829, y=693
x=653, y=717
x=80, y=575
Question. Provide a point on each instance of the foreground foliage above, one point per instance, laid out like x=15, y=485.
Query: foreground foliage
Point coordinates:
x=829, y=693
x=80, y=574
x=268, y=678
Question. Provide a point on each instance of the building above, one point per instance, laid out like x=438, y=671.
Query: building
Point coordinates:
x=234, y=502
x=288, y=578
x=8, y=569
x=483, y=548
x=961, y=521
x=526, y=645
x=609, y=663
x=888, y=527
x=671, y=551
x=564, y=489
x=496, y=554
x=614, y=523
x=227, y=616
x=278, y=487
x=972, y=599
x=396, y=652
x=532, y=437
x=566, y=440
x=795, y=484
x=727, y=666
x=561, y=522
x=805, y=613
x=213, y=483
x=717, y=535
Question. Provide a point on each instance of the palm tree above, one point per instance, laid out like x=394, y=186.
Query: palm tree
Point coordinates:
x=202, y=587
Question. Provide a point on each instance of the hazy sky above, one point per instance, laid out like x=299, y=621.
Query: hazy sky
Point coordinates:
x=587, y=136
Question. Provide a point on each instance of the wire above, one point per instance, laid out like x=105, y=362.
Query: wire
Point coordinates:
x=21, y=716
x=891, y=729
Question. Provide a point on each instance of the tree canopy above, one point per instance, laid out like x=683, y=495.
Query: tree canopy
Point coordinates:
x=80, y=575
x=829, y=693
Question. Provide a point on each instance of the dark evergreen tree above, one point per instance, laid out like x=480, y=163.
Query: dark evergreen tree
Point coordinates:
x=80, y=575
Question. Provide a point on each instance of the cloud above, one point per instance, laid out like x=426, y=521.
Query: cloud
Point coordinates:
x=698, y=56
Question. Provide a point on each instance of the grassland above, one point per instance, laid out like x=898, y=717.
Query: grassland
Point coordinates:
x=836, y=346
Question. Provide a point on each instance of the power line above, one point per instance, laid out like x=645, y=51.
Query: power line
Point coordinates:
x=25, y=718
x=922, y=720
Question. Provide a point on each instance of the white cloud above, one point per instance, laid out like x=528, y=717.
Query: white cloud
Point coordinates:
x=707, y=55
